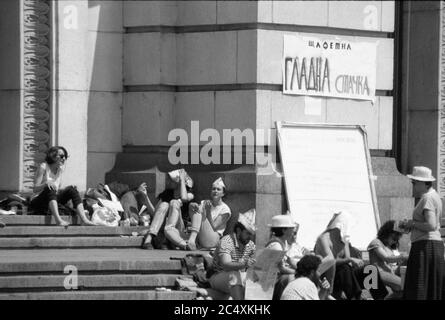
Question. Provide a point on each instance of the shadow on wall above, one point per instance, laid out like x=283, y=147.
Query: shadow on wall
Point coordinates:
x=105, y=50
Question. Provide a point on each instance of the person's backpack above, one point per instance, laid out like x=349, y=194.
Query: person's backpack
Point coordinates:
x=195, y=265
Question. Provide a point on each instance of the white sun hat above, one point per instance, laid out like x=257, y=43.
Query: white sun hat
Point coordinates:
x=282, y=221
x=421, y=174
x=219, y=182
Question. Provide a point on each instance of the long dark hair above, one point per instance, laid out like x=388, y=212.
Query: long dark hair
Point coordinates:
x=52, y=152
x=387, y=230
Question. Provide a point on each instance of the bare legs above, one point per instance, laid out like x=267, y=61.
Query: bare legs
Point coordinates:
x=54, y=208
x=81, y=212
x=175, y=226
x=155, y=226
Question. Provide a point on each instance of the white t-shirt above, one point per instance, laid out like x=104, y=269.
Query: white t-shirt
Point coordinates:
x=300, y=289
x=216, y=212
x=49, y=176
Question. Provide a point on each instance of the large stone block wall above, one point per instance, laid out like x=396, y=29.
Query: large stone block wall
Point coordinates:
x=219, y=62
x=10, y=96
x=210, y=57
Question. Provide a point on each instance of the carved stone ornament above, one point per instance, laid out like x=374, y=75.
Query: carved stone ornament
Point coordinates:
x=36, y=85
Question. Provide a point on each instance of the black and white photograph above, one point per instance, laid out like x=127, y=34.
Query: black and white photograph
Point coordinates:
x=240, y=153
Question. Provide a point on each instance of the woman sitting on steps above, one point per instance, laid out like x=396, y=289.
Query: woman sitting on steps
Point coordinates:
x=208, y=221
x=47, y=191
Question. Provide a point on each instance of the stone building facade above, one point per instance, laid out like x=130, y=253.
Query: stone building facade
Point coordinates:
x=110, y=79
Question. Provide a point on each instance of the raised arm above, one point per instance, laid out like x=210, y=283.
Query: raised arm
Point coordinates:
x=390, y=258
x=185, y=196
x=220, y=220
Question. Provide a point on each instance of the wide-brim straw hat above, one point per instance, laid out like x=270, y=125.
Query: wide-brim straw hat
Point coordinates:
x=282, y=221
x=421, y=174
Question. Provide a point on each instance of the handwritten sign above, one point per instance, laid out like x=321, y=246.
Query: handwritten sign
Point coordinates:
x=327, y=169
x=329, y=66
x=262, y=276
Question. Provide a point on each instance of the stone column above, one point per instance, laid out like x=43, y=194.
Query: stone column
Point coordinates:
x=71, y=89
x=25, y=91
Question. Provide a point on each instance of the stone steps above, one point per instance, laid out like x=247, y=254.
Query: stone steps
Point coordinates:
x=25, y=220
x=101, y=295
x=19, y=283
x=102, y=273
x=70, y=231
x=70, y=242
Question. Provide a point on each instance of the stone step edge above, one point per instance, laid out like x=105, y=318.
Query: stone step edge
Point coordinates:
x=35, y=283
x=102, y=295
x=70, y=242
x=108, y=266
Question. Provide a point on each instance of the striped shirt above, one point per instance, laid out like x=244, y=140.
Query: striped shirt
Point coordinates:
x=229, y=245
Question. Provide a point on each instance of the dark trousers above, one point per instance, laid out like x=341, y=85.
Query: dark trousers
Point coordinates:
x=282, y=281
x=350, y=280
x=41, y=202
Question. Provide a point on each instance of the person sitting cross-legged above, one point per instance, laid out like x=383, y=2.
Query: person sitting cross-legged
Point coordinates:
x=208, y=221
x=233, y=255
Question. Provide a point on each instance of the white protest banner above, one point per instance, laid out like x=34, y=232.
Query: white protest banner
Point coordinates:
x=262, y=276
x=329, y=66
x=327, y=169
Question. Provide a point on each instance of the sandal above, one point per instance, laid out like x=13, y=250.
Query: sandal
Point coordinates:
x=191, y=247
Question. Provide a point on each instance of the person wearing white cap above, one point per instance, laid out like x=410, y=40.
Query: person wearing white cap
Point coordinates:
x=208, y=220
x=178, y=192
x=233, y=255
x=282, y=229
x=424, y=279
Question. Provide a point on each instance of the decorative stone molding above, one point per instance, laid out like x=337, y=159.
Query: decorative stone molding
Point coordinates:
x=36, y=86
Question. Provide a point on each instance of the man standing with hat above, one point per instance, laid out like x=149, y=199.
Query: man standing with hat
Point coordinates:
x=425, y=269
x=233, y=255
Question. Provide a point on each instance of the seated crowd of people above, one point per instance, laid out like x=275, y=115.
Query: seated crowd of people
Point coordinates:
x=333, y=269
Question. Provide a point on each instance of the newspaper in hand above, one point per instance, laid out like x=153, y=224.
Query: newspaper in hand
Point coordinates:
x=262, y=276
x=400, y=226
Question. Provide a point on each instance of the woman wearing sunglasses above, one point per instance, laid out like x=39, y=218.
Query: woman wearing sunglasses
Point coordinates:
x=47, y=191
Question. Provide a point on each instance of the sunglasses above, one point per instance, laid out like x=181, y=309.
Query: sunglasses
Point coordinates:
x=61, y=156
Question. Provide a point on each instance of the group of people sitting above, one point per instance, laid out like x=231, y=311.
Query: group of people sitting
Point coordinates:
x=333, y=269
x=203, y=225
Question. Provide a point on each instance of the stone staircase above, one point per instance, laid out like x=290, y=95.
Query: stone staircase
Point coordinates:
x=37, y=259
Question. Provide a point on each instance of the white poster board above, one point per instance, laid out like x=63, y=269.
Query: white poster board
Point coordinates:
x=327, y=169
x=329, y=66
